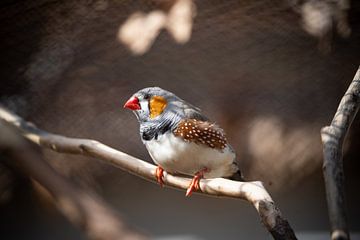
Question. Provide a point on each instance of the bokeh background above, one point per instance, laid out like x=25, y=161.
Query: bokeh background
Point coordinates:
x=251, y=66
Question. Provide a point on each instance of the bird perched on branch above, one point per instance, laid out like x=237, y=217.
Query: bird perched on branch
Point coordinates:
x=180, y=139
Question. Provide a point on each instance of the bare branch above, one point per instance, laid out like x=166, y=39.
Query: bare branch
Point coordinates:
x=332, y=138
x=87, y=212
x=253, y=192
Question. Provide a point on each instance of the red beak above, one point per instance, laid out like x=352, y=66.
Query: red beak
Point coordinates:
x=132, y=104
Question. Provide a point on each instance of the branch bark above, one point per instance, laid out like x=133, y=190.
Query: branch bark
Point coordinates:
x=333, y=138
x=253, y=192
x=86, y=211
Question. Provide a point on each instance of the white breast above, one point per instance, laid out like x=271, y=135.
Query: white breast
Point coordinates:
x=177, y=156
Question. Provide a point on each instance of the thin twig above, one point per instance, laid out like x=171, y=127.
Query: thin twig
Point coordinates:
x=333, y=138
x=253, y=192
x=86, y=211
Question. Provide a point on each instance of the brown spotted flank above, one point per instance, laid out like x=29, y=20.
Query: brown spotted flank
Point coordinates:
x=201, y=132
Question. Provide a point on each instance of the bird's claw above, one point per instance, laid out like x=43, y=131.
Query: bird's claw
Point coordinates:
x=195, y=182
x=194, y=186
x=159, y=174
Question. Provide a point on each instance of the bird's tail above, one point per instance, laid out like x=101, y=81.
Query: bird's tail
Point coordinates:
x=238, y=176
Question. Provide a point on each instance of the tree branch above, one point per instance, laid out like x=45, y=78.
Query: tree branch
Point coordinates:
x=333, y=138
x=86, y=211
x=253, y=192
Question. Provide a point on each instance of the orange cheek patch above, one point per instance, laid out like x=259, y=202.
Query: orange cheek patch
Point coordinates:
x=157, y=106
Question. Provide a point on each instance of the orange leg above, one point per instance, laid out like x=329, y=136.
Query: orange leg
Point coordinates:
x=195, y=182
x=159, y=174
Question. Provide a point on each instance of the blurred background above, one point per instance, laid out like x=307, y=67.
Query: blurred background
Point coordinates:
x=271, y=73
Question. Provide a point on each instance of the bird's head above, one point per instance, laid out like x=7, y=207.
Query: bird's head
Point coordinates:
x=158, y=110
x=152, y=103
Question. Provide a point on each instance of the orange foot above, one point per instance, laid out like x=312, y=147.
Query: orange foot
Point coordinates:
x=195, y=182
x=159, y=174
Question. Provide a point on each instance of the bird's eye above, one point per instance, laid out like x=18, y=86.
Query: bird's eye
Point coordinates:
x=146, y=96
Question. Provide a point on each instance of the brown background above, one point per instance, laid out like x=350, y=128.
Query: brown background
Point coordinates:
x=248, y=65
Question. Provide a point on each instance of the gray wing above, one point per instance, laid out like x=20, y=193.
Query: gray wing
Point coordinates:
x=193, y=112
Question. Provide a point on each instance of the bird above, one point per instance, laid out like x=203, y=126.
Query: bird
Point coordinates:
x=180, y=139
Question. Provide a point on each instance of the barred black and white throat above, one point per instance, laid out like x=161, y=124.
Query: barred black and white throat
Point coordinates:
x=179, y=138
